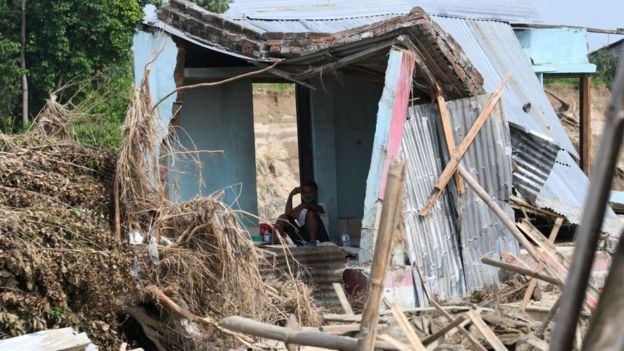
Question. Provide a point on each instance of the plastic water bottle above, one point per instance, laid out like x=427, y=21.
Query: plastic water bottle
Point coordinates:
x=346, y=239
x=267, y=236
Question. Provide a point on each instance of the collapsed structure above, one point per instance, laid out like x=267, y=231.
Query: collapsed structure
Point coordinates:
x=365, y=76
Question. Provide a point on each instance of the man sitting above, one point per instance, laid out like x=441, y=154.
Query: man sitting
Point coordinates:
x=306, y=223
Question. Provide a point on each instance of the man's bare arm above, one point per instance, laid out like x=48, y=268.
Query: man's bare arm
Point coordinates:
x=289, y=209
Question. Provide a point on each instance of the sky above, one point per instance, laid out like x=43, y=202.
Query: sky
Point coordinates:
x=603, y=14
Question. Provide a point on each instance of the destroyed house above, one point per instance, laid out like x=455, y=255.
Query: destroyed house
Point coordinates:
x=370, y=79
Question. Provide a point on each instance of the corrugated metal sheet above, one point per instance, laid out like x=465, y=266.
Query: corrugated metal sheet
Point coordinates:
x=333, y=15
x=533, y=159
x=477, y=232
x=494, y=50
x=547, y=175
x=320, y=266
x=433, y=241
x=489, y=160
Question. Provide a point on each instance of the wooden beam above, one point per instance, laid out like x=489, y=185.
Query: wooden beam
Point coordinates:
x=304, y=133
x=533, y=282
x=442, y=331
x=450, y=137
x=287, y=335
x=344, y=302
x=520, y=270
x=585, y=137
x=381, y=257
x=453, y=163
x=394, y=342
x=447, y=315
x=406, y=327
x=345, y=61
x=340, y=329
x=489, y=335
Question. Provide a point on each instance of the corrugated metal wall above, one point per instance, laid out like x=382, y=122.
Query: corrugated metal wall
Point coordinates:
x=449, y=243
x=433, y=240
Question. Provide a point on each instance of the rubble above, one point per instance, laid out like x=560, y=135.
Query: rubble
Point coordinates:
x=62, y=265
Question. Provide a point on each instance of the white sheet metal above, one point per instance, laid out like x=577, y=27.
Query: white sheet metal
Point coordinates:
x=334, y=14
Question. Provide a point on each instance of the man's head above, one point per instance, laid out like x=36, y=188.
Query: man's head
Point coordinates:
x=309, y=192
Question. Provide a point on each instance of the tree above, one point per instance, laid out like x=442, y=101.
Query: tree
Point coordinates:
x=66, y=41
x=606, y=65
x=23, y=66
x=217, y=6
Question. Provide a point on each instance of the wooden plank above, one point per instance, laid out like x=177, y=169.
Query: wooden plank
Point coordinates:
x=381, y=257
x=442, y=331
x=406, y=327
x=521, y=270
x=332, y=317
x=451, y=166
x=346, y=306
x=447, y=315
x=585, y=131
x=394, y=342
x=489, y=335
x=340, y=329
x=549, y=247
x=533, y=282
x=450, y=138
x=552, y=267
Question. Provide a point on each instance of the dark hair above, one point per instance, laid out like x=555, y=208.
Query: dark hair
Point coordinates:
x=310, y=183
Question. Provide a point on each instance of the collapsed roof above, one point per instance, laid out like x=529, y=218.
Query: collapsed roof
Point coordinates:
x=308, y=55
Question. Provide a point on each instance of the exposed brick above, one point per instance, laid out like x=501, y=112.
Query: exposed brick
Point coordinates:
x=272, y=42
x=232, y=37
x=273, y=35
x=275, y=49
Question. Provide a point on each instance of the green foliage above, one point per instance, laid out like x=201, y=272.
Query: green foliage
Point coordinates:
x=10, y=74
x=278, y=87
x=105, y=101
x=216, y=6
x=607, y=64
x=67, y=41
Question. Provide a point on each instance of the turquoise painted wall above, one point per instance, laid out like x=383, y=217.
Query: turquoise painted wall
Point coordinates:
x=218, y=120
x=343, y=127
x=556, y=50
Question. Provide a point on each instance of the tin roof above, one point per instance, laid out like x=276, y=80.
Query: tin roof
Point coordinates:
x=332, y=15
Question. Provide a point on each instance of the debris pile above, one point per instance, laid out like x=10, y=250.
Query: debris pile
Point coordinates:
x=61, y=263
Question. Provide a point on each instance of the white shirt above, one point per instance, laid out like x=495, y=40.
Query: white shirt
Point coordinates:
x=324, y=217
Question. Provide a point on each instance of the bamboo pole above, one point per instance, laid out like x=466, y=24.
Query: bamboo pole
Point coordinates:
x=533, y=282
x=520, y=270
x=299, y=337
x=381, y=257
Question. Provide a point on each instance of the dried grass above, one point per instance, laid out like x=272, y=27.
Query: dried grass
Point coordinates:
x=60, y=264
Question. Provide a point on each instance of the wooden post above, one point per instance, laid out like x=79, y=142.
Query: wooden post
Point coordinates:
x=585, y=136
x=509, y=224
x=533, y=282
x=381, y=257
x=521, y=270
x=451, y=166
x=487, y=332
x=450, y=138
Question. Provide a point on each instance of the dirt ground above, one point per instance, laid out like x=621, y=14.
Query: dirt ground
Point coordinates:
x=277, y=160
x=600, y=96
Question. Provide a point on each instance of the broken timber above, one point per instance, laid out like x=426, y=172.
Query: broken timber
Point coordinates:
x=450, y=138
x=453, y=163
x=289, y=336
x=533, y=283
x=511, y=226
x=381, y=258
x=520, y=270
